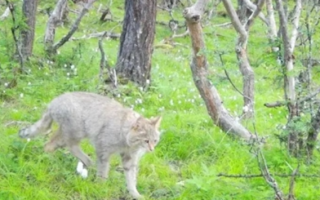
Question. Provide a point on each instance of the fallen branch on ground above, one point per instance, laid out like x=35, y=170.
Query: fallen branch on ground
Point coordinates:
x=296, y=175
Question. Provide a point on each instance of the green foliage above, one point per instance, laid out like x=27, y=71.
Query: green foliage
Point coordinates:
x=192, y=153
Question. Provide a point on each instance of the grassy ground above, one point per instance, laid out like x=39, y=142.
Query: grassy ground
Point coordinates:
x=192, y=151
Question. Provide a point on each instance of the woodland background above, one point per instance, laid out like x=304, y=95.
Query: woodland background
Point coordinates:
x=271, y=154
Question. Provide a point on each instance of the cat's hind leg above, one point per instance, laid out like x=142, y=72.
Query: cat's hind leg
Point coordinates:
x=84, y=160
x=55, y=142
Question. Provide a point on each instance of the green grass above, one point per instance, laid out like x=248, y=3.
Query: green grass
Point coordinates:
x=192, y=151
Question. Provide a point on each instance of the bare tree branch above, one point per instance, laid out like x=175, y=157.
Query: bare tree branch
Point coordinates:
x=242, y=56
x=267, y=175
x=54, y=19
x=180, y=35
x=74, y=26
x=291, y=187
x=272, y=28
x=236, y=22
x=104, y=34
x=287, y=67
x=294, y=174
x=105, y=65
x=199, y=68
x=256, y=11
x=13, y=31
x=284, y=103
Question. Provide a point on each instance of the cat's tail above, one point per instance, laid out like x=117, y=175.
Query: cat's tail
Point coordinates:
x=41, y=126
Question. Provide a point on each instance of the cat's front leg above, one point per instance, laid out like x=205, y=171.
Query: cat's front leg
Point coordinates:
x=131, y=183
x=103, y=167
x=130, y=169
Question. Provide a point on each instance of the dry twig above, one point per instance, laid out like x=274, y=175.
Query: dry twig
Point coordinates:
x=74, y=27
x=105, y=65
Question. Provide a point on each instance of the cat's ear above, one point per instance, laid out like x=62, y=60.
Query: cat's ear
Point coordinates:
x=137, y=125
x=156, y=121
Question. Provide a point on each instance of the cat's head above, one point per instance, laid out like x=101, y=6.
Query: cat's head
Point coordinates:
x=145, y=133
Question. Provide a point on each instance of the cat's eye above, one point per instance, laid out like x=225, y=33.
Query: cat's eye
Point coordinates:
x=146, y=141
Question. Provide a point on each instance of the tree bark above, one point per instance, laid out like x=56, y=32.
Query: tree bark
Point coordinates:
x=272, y=28
x=74, y=26
x=199, y=68
x=242, y=28
x=29, y=9
x=136, y=42
x=313, y=133
x=54, y=19
x=289, y=81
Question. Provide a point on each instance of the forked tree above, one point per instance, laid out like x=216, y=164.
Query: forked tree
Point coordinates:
x=199, y=68
x=242, y=21
x=56, y=18
x=136, y=42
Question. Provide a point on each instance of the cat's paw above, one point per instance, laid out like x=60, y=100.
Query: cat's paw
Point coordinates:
x=136, y=195
x=81, y=170
x=84, y=173
x=139, y=197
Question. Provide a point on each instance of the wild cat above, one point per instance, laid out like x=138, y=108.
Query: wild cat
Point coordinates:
x=111, y=128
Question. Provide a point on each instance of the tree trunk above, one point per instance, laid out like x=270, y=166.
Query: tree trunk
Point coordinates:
x=242, y=23
x=29, y=9
x=136, y=42
x=272, y=28
x=74, y=26
x=199, y=68
x=294, y=141
x=54, y=19
x=313, y=133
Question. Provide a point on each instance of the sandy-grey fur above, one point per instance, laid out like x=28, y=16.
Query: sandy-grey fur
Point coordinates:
x=111, y=127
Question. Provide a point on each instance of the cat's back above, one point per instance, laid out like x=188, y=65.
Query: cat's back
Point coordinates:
x=79, y=102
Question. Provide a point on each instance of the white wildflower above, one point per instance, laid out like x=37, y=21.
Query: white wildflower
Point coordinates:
x=138, y=101
x=171, y=102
